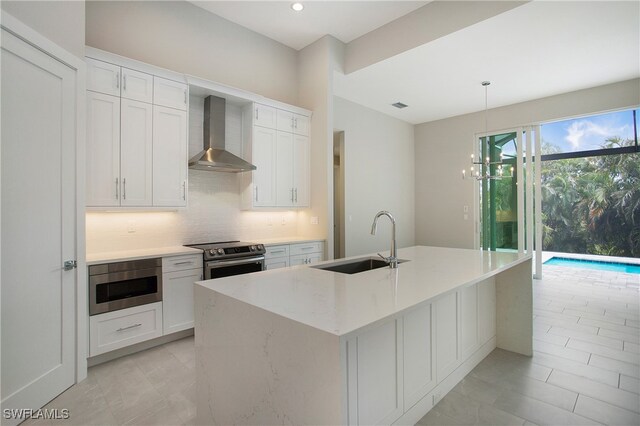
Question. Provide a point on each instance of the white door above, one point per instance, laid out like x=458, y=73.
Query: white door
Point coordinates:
x=170, y=93
x=169, y=157
x=177, y=299
x=264, y=116
x=137, y=85
x=284, y=170
x=136, y=153
x=301, y=170
x=264, y=158
x=103, y=150
x=38, y=226
x=103, y=77
x=301, y=124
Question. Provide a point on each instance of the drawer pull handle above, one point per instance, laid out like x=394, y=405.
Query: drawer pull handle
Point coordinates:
x=306, y=248
x=128, y=328
x=189, y=262
x=278, y=251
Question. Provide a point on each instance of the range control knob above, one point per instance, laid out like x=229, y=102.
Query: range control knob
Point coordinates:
x=220, y=251
x=260, y=247
x=252, y=248
x=212, y=252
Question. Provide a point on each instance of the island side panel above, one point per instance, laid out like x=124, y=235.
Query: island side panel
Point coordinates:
x=254, y=367
x=514, y=309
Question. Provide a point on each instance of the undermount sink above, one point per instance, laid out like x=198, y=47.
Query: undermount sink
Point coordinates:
x=355, y=266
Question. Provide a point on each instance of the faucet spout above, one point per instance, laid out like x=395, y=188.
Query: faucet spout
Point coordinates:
x=392, y=260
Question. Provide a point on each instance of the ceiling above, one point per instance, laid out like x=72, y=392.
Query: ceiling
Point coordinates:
x=539, y=49
x=533, y=51
x=345, y=20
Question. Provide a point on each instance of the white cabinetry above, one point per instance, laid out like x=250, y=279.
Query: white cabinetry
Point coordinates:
x=284, y=255
x=103, y=152
x=136, y=148
x=375, y=389
x=169, y=148
x=178, y=275
x=419, y=375
x=281, y=155
x=125, y=327
x=446, y=319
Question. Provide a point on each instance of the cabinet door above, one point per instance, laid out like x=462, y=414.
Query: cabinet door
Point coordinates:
x=177, y=299
x=301, y=170
x=103, y=150
x=264, y=116
x=137, y=85
x=469, y=338
x=284, y=170
x=136, y=151
x=374, y=365
x=447, y=353
x=419, y=377
x=284, y=121
x=264, y=158
x=169, y=157
x=103, y=77
x=170, y=93
x=486, y=310
x=301, y=124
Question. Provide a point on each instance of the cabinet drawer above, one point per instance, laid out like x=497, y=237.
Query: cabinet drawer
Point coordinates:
x=276, y=263
x=264, y=116
x=103, y=77
x=137, y=85
x=181, y=263
x=305, y=248
x=276, y=251
x=170, y=93
x=125, y=327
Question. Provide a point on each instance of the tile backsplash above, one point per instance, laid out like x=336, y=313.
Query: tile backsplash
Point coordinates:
x=213, y=212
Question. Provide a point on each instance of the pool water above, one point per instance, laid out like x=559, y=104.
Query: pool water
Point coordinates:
x=627, y=268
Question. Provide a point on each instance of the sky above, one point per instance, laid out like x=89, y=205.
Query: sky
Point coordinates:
x=588, y=133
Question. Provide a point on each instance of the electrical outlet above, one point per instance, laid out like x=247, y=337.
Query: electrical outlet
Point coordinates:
x=269, y=221
x=284, y=220
x=131, y=227
x=314, y=220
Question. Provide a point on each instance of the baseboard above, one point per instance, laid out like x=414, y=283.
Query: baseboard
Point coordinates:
x=138, y=347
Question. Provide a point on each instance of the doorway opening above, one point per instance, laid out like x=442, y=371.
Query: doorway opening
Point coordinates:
x=338, y=195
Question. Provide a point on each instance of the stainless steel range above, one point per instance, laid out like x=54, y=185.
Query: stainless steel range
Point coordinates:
x=227, y=258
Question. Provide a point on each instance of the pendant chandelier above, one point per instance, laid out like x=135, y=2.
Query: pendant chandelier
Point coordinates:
x=487, y=163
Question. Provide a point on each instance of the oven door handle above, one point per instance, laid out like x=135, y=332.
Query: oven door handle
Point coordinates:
x=220, y=264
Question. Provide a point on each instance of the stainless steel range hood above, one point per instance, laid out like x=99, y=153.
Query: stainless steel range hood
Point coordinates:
x=215, y=157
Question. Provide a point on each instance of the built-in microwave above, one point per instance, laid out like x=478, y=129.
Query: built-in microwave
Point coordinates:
x=119, y=285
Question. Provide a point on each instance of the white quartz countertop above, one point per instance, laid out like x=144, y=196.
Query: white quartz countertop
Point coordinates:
x=341, y=303
x=121, y=255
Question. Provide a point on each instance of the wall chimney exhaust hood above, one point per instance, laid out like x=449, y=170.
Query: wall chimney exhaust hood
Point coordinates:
x=215, y=157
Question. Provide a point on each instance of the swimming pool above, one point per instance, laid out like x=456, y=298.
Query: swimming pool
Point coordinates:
x=627, y=268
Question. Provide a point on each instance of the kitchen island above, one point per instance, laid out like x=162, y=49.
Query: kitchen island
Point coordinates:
x=304, y=345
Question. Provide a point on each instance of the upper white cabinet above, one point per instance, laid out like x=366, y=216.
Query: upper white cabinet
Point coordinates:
x=103, y=150
x=170, y=93
x=281, y=156
x=169, y=145
x=103, y=77
x=136, y=148
x=291, y=122
x=264, y=116
x=137, y=85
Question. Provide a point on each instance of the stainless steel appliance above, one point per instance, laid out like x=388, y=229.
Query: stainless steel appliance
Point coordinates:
x=119, y=285
x=227, y=258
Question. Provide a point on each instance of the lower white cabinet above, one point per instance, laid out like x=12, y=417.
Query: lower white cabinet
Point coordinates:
x=117, y=329
x=403, y=365
x=374, y=359
x=178, y=275
x=284, y=255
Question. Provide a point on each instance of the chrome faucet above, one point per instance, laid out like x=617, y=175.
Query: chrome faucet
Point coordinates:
x=392, y=260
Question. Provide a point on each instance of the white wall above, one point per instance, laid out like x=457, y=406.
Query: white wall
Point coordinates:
x=60, y=21
x=443, y=148
x=379, y=175
x=185, y=38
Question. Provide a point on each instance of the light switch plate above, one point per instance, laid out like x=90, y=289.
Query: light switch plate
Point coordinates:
x=314, y=220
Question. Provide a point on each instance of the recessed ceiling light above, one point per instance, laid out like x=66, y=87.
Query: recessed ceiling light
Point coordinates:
x=399, y=105
x=297, y=6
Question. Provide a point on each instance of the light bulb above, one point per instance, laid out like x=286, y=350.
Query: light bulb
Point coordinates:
x=297, y=6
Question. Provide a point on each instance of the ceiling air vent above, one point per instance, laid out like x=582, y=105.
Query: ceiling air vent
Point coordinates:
x=399, y=105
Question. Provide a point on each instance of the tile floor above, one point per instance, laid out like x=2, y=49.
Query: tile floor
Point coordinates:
x=585, y=368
